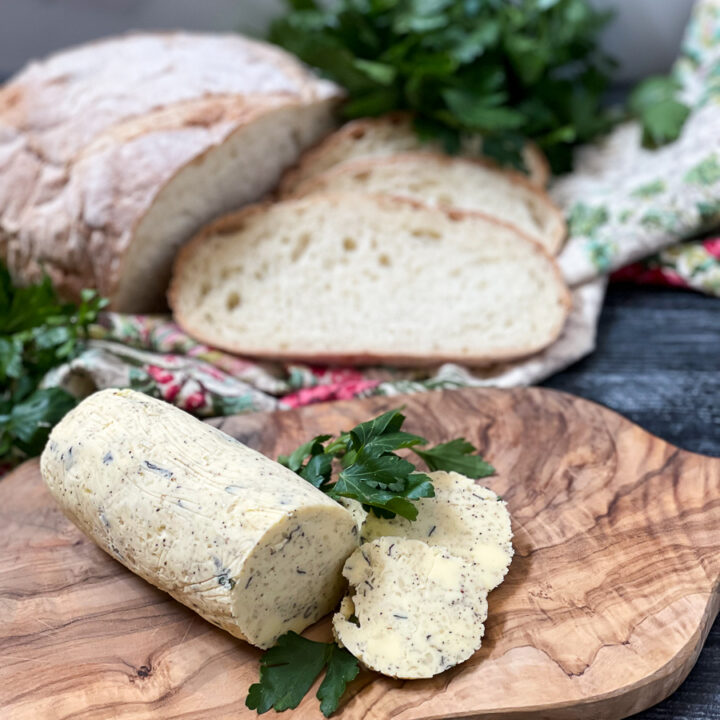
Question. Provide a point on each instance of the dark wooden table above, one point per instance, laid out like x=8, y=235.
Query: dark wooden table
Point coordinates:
x=657, y=363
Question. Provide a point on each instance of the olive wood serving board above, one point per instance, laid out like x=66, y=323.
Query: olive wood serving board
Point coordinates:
x=612, y=591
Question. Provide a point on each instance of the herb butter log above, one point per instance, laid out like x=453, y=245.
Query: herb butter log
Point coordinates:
x=243, y=541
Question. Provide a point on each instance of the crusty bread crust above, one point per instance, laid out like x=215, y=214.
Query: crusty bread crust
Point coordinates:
x=538, y=166
x=84, y=158
x=324, y=183
x=234, y=222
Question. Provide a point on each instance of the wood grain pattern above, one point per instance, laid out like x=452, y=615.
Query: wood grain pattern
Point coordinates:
x=612, y=591
x=657, y=364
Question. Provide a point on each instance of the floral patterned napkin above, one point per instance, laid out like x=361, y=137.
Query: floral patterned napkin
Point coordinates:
x=623, y=204
x=694, y=265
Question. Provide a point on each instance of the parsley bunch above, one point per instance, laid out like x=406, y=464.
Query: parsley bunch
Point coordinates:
x=372, y=473
x=512, y=71
x=37, y=333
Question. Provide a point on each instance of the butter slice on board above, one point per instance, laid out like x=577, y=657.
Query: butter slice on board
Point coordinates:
x=464, y=517
x=412, y=610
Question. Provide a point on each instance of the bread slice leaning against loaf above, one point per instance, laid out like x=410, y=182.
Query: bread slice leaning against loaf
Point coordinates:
x=451, y=183
x=361, y=279
x=389, y=135
x=114, y=153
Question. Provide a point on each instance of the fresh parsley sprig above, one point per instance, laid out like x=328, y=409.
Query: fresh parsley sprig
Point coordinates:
x=288, y=670
x=37, y=333
x=372, y=473
x=511, y=71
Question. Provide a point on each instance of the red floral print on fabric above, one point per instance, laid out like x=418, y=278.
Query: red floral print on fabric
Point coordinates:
x=694, y=264
x=712, y=245
x=344, y=390
x=643, y=275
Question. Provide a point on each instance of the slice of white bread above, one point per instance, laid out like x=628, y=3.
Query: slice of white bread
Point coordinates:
x=467, y=519
x=412, y=610
x=355, y=278
x=389, y=135
x=451, y=183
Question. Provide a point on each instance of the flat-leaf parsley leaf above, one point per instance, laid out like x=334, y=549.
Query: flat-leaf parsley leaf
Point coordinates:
x=456, y=455
x=288, y=670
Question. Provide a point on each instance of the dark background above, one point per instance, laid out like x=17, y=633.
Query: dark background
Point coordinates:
x=657, y=363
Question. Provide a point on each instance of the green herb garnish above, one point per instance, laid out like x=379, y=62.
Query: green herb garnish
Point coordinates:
x=288, y=670
x=456, y=455
x=37, y=333
x=372, y=473
x=511, y=71
x=662, y=116
x=508, y=70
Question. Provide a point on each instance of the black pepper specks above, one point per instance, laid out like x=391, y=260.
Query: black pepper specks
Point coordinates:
x=156, y=468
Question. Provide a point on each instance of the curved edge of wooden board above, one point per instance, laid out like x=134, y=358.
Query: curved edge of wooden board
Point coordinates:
x=655, y=688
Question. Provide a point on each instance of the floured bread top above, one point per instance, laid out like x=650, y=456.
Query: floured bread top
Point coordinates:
x=141, y=75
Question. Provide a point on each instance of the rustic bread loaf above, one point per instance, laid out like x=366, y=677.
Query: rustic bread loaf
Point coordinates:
x=412, y=610
x=356, y=278
x=388, y=135
x=451, y=183
x=240, y=539
x=114, y=153
x=465, y=518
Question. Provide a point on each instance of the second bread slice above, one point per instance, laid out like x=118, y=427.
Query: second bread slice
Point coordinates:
x=451, y=183
x=353, y=278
